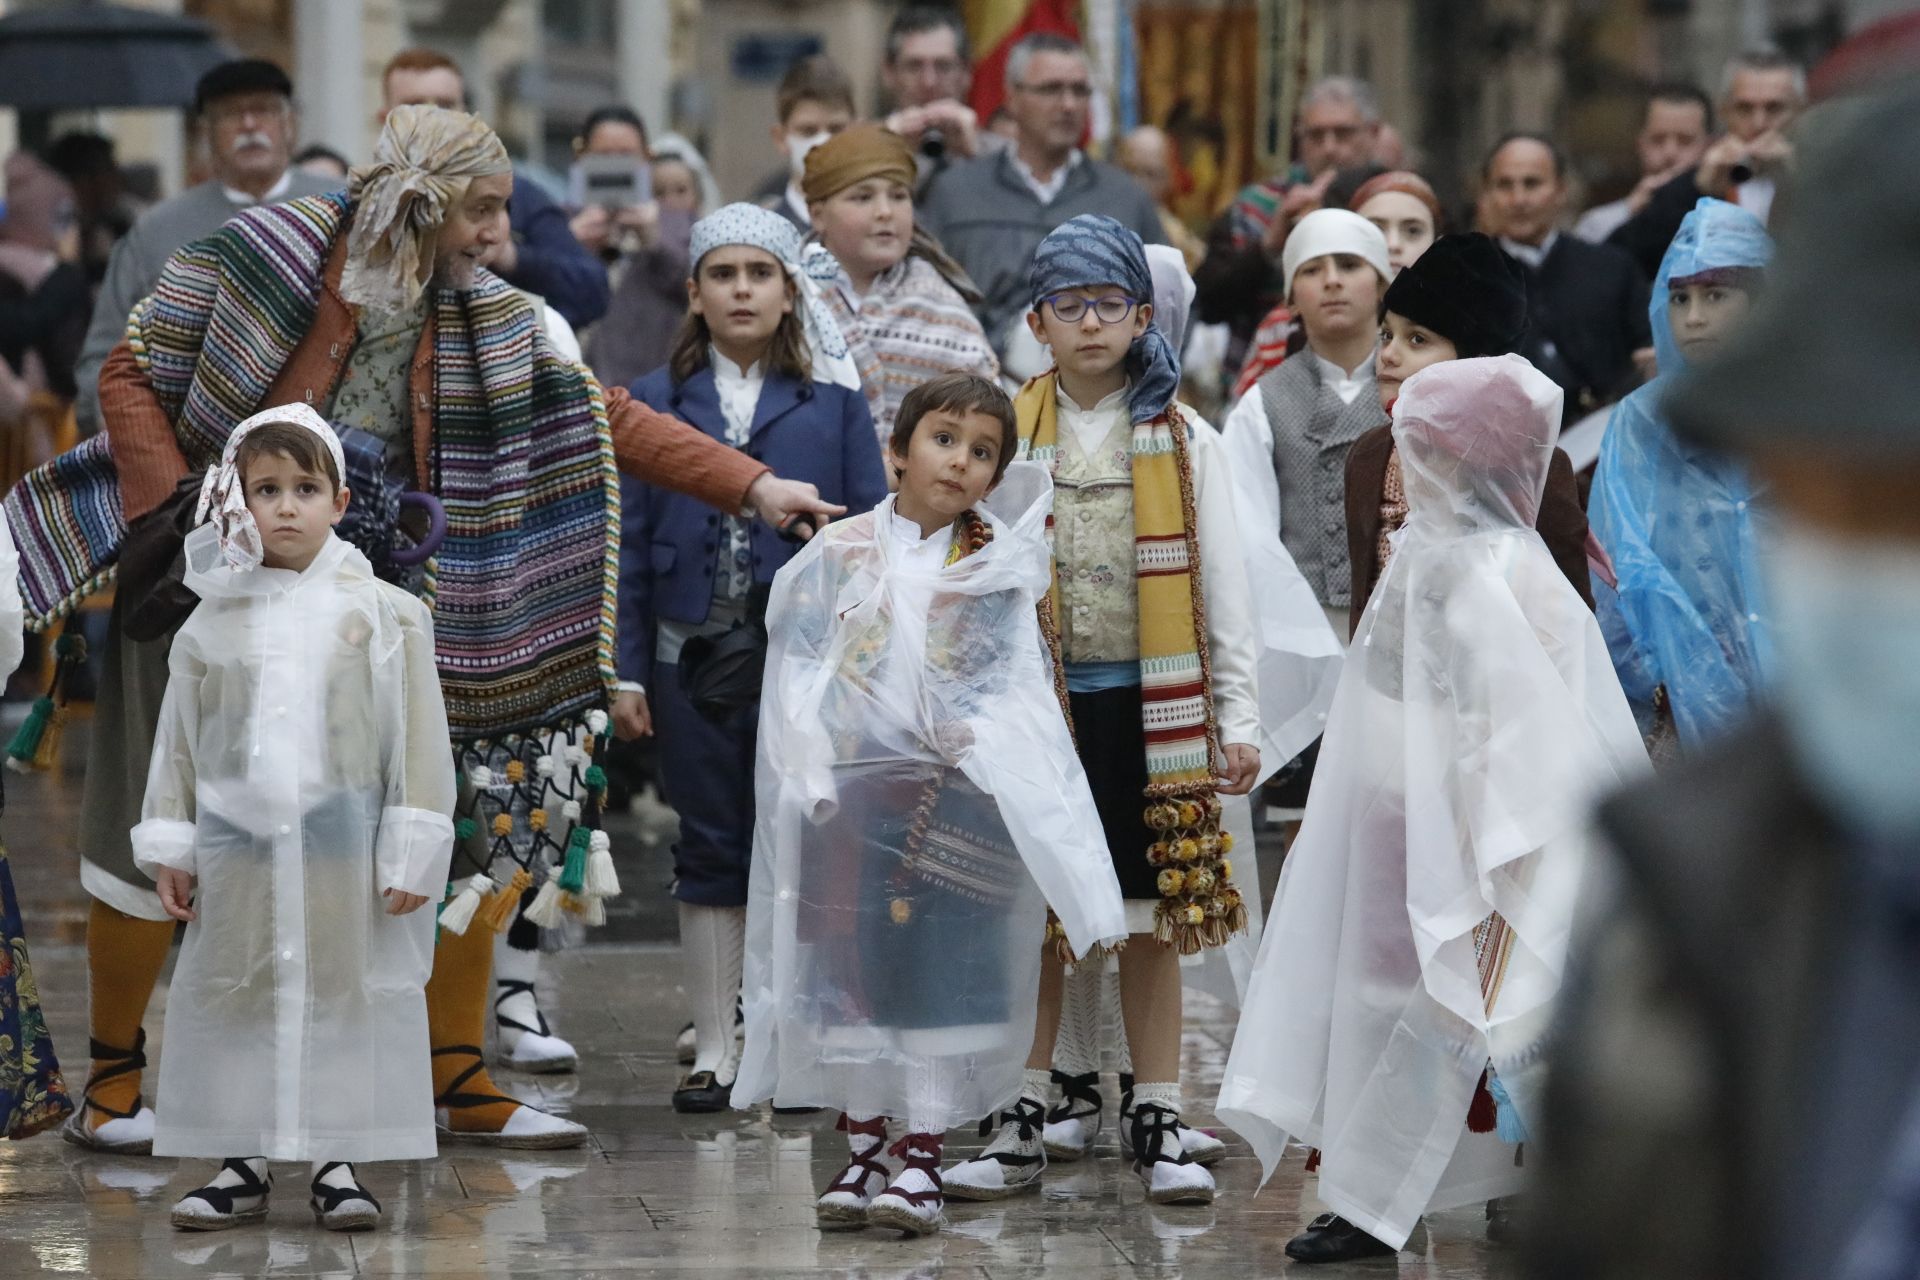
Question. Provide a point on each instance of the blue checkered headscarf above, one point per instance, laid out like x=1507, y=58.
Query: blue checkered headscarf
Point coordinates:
x=1093, y=249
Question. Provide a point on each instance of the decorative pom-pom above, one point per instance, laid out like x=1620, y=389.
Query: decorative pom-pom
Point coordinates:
x=596, y=778
x=1200, y=882
x=1171, y=881
x=1189, y=814
x=480, y=776
x=597, y=722
x=1186, y=850
x=1196, y=914
x=543, y=765
x=459, y=910
x=1159, y=853
x=516, y=772
x=1226, y=869
x=502, y=825
x=1226, y=842
x=1161, y=817
x=536, y=819
x=570, y=810
x=464, y=829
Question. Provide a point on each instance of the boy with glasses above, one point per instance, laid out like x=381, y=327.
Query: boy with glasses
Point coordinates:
x=992, y=212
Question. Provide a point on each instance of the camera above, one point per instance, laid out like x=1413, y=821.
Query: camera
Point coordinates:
x=613, y=182
x=933, y=144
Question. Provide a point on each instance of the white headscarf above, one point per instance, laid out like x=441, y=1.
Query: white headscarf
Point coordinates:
x=763, y=229
x=223, y=494
x=1326, y=231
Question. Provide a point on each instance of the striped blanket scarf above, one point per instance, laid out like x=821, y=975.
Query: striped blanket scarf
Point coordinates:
x=1199, y=905
x=522, y=460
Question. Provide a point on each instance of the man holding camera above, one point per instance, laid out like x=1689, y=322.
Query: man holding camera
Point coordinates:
x=927, y=74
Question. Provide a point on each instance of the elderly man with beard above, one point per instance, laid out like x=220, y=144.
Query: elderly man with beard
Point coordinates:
x=246, y=107
x=372, y=307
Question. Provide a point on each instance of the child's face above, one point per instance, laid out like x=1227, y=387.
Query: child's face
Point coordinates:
x=294, y=508
x=949, y=465
x=1089, y=346
x=1336, y=296
x=1702, y=315
x=742, y=294
x=867, y=226
x=809, y=124
x=674, y=186
x=1405, y=349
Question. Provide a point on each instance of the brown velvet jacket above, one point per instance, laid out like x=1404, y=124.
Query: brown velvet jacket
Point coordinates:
x=652, y=446
x=1562, y=522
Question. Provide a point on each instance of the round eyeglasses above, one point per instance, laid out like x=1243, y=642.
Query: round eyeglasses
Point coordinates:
x=1068, y=308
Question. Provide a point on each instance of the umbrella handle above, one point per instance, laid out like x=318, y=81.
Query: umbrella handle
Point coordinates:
x=423, y=550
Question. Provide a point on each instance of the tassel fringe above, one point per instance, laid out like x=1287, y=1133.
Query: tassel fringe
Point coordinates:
x=602, y=880
x=496, y=913
x=36, y=744
x=1483, y=1115
x=1507, y=1122
x=459, y=910
x=546, y=909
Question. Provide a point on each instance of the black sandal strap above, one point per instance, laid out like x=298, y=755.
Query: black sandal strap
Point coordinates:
x=451, y=1097
x=1079, y=1097
x=221, y=1199
x=1152, y=1124
x=123, y=1062
x=509, y=988
x=331, y=1197
x=1029, y=1116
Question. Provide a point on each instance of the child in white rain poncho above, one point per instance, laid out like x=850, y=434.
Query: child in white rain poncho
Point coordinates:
x=1419, y=933
x=919, y=805
x=301, y=783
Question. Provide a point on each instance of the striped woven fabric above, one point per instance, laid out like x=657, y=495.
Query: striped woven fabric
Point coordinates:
x=522, y=461
x=910, y=327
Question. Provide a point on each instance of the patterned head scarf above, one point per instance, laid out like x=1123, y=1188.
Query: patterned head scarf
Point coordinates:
x=223, y=496
x=422, y=165
x=763, y=229
x=1093, y=249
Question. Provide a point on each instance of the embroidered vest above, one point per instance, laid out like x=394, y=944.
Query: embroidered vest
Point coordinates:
x=1093, y=548
x=1312, y=431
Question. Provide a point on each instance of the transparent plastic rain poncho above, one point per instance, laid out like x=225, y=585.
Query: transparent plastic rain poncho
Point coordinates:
x=301, y=768
x=919, y=805
x=1681, y=525
x=1420, y=927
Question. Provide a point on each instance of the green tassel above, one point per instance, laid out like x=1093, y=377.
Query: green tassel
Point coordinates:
x=596, y=779
x=26, y=740
x=464, y=829
x=573, y=875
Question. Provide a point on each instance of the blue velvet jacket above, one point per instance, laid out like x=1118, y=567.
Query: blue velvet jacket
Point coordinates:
x=812, y=431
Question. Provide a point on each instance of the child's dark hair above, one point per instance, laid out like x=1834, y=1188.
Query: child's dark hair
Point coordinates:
x=306, y=449
x=956, y=393
x=815, y=78
x=787, y=351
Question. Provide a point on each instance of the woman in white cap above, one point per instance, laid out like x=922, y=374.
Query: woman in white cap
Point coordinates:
x=1288, y=437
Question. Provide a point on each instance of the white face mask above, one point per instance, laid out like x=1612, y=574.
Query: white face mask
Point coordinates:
x=1847, y=620
x=798, y=145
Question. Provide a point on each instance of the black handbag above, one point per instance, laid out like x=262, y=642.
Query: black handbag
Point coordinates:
x=720, y=675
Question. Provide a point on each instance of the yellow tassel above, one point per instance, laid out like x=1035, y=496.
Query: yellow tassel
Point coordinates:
x=49, y=752
x=496, y=913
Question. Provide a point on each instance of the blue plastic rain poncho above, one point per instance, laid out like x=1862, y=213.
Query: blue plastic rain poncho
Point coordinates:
x=1681, y=526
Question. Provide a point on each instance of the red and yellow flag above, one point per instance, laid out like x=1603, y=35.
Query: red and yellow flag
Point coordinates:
x=995, y=26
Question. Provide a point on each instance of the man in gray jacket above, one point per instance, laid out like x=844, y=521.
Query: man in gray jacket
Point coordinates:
x=992, y=212
x=246, y=107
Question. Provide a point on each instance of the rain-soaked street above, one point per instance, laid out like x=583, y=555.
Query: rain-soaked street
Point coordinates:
x=653, y=1192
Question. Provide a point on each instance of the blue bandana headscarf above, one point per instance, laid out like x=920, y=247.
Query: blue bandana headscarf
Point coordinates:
x=1093, y=249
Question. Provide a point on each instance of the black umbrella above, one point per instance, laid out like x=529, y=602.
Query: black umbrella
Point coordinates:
x=75, y=56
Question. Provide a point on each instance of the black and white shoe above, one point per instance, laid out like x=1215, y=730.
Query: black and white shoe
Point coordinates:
x=236, y=1196
x=1012, y=1162
x=1170, y=1174
x=1331, y=1238
x=1074, y=1122
x=1201, y=1147
x=342, y=1208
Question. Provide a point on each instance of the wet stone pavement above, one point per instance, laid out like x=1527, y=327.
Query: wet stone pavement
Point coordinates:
x=653, y=1193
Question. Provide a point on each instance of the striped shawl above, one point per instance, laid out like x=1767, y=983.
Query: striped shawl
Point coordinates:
x=521, y=458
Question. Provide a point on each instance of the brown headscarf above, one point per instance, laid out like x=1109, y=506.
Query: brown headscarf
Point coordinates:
x=422, y=165
x=855, y=154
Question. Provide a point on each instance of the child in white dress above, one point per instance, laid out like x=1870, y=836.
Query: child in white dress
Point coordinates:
x=297, y=818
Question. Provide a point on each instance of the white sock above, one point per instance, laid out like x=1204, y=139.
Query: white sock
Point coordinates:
x=713, y=948
x=1076, y=1048
x=1034, y=1083
x=229, y=1178
x=340, y=1177
x=1111, y=1016
x=1164, y=1094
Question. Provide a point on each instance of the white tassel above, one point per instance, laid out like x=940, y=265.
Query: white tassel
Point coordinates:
x=602, y=880
x=545, y=910
x=593, y=912
x=458, y=914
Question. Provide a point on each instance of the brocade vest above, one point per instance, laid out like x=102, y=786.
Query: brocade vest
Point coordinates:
x=1093, y=547
x=1312, y=431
